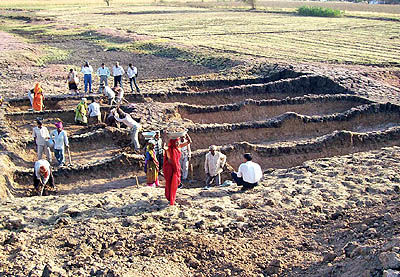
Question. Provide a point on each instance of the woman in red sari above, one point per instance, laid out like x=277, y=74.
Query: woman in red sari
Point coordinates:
x=172, y=169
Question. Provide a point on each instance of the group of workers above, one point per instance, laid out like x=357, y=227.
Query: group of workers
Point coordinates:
x=56, y=140
x=171, y=160
x=174, y=162
x=104, y=73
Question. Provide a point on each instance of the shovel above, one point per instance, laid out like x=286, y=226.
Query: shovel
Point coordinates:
x=69, y=156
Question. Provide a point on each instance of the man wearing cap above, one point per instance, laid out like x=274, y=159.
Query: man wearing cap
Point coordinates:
x=249, y=173
x=213, y=165
x=103, y=72
x=60, y=140
x=42, y=175
x=41, y=136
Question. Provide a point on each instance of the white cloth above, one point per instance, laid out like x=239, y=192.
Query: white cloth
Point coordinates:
x=94, y=109
x=60, y=139
x=109, y=92
x=30, y=96
x=41, y=135
x=186, y=151
x=127, y=120
x=250, y=172
x=120, y=95
x=118, y=71
x=87, y=69
x=131, y=72
x=214, y=163
x=103, y=71
x=46, y=165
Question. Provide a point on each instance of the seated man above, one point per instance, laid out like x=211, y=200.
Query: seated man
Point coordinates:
x=42, y=175
x=249, y=173
x=213, y=166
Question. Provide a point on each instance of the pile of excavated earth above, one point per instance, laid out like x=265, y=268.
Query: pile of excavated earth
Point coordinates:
x=327, y=205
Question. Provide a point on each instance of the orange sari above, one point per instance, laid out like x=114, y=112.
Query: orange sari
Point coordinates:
x=38, y=98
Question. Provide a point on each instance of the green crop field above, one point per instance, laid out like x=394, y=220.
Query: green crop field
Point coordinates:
x=272, y=33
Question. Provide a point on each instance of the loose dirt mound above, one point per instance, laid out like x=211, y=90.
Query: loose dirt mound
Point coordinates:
x=319, y=219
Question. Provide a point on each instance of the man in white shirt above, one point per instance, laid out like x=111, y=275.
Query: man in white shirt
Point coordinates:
x=213, y=166
x=42, y=175
x=41, y=136
x=109, y=92
x=126, y=118
x=132, y=74
x=249, y=173
x=103, y=72
x=94, y=112
x=186, y=154
x=87, y=71
x=118, y=71
x=60, y=139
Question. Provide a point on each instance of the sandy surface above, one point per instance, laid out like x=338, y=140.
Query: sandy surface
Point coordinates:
x=297, y=223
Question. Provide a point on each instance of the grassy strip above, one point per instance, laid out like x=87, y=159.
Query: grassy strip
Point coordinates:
x=318, y=11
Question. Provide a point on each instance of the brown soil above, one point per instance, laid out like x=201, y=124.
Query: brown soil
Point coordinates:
x=293, y=129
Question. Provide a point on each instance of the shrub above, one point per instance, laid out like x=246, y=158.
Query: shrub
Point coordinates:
x=318, y=11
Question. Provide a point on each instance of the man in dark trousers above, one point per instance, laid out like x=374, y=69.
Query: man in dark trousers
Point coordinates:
x=249, y=173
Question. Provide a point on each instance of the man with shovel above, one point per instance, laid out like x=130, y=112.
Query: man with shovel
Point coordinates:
x=42, y=176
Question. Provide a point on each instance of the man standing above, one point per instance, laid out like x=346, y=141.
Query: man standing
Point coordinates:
x=249, y=173
x=132, y=74
x=185, y=157
x=126, y=118
x=60, y=139
x=42, y=175
x=103, y=72
x=118, y=71
x=87, y=71
x=213, y=165
x=41, y=136
x=158, y=148
x=94, y=112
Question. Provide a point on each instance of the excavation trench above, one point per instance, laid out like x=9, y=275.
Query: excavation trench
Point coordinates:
x=292, y=126
x=308, y=84
x=205, y=85
x=296, y=153
x=109, y=173
x=264, y=109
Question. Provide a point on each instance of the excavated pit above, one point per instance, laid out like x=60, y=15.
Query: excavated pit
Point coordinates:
x=295, y=153
x=283, y=120
x=92, y=177
x=260, y=110
x=292, y=126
